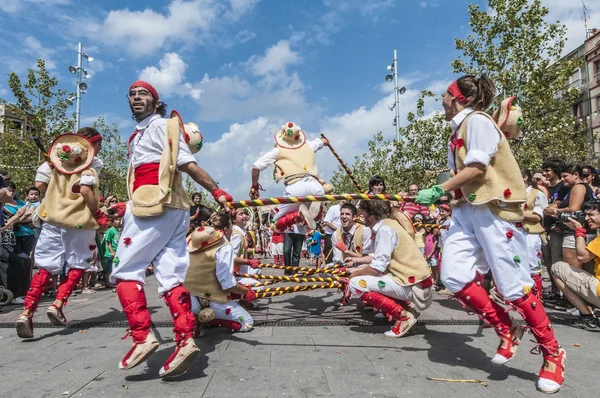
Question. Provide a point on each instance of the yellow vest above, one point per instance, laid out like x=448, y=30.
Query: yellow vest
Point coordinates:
x=501, y=174
x=63, y=207
x=407, y=265
x=357, y=240
x=299, y=160
x=201, y=278
x=151, y=200
x=530, y=226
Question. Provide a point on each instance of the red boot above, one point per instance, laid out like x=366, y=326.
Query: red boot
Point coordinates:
x=226, y=323
x=491, y=313
x=64, y=291
x=179, y=302
x=536, y=290
x=388, y=306
x=287, y=221
x=39, y=283
x=553, y=369
x=133, y=299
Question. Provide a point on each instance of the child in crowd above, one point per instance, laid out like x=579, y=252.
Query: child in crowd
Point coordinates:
x=431, y=250
x=419, y=232
x=111, y=240
x=313, y=242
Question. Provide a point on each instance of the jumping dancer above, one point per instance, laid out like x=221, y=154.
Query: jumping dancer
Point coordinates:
x=484, y=234
x=156, y=221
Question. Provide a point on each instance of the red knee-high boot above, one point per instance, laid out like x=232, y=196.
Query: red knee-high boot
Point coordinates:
x=536, y=290
x=388, y=306
x=133, y=300
x=179, y=302
x=552, y=371
x=65, y=289
x=288, y=220
x=39, y=283
x=226, y=323
x=477, y=298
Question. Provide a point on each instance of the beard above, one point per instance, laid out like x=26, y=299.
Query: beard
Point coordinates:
x=141, y=114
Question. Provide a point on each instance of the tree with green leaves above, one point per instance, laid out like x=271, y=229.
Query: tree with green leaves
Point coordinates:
x=114, y=156
x=520, y=51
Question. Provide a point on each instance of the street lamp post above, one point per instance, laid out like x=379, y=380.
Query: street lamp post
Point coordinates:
x=80, y=85
x=398, y=91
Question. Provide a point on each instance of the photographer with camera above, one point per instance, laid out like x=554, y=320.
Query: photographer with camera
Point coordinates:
x=580, y=192
x=580, y=287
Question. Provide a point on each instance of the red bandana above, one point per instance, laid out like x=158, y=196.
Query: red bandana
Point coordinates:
x=455, y=91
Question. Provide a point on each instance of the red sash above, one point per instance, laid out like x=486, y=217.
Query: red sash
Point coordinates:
x=145, y=174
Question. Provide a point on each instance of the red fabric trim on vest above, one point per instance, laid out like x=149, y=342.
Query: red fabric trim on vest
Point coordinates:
x=146, y=174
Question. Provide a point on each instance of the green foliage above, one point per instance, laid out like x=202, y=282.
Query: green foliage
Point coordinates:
x=520, y=52
x=113, y=178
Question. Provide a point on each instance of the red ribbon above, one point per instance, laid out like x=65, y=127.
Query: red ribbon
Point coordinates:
x=455, y=91
x=145, y=174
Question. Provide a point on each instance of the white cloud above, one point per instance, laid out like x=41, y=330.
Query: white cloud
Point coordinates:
x=168, y=76
x=13, y=6
x=147, y=31
x=275, y=60
x=34, y=47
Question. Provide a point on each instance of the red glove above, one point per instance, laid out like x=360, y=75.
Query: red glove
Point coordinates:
x=101, y=218
x=341, y=245
x=254, y=263
x=118, y=210
x=254, y=191
x=250, y=295
x=218, y=192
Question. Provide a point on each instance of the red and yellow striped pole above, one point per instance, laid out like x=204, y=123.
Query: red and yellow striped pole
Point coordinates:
x=346, y=169
x=294, y=289
x=317, y=198
x=285, y=278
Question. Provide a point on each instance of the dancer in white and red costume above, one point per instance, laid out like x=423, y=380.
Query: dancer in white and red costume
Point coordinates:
x=484, y=233
x=294, y=160
x=156, y=222
x=70, y=215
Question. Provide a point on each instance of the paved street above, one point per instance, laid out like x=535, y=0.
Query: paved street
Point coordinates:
x=303, y=345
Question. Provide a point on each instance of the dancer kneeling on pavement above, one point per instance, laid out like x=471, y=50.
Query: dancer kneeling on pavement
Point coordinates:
x=578, y=286
x=70, y=215
x=210, y=277
x=484, y=233
x=155, y=225
x=396, y=279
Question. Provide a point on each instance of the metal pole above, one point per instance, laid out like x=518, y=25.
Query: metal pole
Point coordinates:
x=396, y=98
x=79, y=69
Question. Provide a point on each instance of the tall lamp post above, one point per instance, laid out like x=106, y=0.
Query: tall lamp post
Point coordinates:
x=81, y=85
x=398, y=91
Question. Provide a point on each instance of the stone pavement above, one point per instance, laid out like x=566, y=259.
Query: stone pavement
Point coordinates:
x=303, y=346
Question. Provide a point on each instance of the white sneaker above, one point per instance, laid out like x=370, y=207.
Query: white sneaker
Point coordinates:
x=18, y=301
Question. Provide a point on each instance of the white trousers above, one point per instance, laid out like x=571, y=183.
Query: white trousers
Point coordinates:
x=159, y=240
x=477, y=241
x=304, y=187
x=57, y=246
x=277, y=249
x=534, y=247
x=363, y=284
x=230, y=311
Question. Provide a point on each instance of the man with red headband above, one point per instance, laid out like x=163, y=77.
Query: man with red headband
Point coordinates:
x=70, y=215
x=156, y=221
x=486, y=231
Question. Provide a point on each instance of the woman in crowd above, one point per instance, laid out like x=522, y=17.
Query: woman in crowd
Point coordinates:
x=590, y=177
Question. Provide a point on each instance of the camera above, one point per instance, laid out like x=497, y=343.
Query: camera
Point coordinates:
x=578, y=216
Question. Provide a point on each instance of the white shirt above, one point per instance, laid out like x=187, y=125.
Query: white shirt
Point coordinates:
x=366, y=239
x=271, y=157
x=540, y=203
x=386, y=241
x=482, y=139
x=332, y=216
x=44, y=172
x=149, y=143
x=236, y=239
x=224, y=257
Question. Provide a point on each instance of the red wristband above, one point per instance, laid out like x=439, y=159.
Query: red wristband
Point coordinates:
x=218, y=192
x=580, y=232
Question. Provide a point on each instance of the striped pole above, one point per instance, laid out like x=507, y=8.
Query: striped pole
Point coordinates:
x=317, y=198
x=418, y=224
x=343, y=165
x=293, y=289
x=289, y=278
x=299, y=269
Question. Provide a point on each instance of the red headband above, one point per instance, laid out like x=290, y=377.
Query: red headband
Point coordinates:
x=147, y=86
x=94, y=139
x=455, y=91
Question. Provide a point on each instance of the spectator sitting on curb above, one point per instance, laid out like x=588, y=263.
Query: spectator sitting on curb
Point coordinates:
x=578, y=286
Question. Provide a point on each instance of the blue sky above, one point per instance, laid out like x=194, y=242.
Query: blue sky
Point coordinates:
x=240, y=68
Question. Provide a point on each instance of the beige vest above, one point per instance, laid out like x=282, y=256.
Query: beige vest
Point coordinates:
x=201, y=278
x=65, y=208
x=530, y=226
x=242, y=250
x=407, y=266
x=151, y=200
x=299, y=160
x=502, y=173
x=357, y=239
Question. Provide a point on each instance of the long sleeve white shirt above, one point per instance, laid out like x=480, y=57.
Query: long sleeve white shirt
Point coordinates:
x=482, y=139
x=44, y=172
x=271, y=157
x=224, y=269
x=540, y=203
x=150, y=142
x=237, y=239
x=386, y=241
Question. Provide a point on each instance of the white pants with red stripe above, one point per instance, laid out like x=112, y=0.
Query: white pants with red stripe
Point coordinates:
x=57, y=246
x=478, y=241
x=159, y=240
